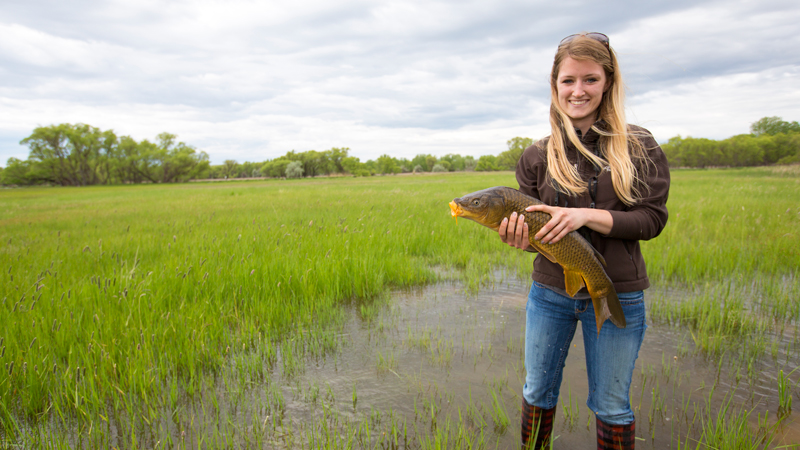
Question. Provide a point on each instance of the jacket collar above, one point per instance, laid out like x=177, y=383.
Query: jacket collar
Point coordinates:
x=592, y=136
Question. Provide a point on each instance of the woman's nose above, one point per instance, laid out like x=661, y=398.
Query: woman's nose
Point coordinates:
x=577, y=90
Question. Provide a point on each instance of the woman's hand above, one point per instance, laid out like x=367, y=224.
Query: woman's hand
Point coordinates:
x=565, y=220
x=514, y=231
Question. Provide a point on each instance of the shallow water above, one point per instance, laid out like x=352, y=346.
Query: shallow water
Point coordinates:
x=423, y=362
x=453, y=349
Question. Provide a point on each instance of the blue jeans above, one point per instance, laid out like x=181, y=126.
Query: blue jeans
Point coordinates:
x=550, y=325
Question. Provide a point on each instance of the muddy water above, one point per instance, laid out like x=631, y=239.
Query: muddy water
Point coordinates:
x=438, y=354
x=435, y=361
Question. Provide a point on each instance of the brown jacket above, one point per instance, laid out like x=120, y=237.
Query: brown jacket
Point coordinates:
x=642, y=221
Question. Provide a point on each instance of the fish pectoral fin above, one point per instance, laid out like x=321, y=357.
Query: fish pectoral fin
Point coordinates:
x=573, y=282
x=541, y=249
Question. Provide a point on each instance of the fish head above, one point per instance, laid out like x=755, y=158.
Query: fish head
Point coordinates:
x=487, y=207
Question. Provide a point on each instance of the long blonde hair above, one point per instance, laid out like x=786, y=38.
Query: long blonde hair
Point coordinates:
x=622, y=151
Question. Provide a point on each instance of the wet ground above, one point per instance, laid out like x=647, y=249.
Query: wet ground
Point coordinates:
x=436, y=354
x=429, y=366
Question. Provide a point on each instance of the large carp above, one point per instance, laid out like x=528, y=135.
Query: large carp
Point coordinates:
x=583, y=265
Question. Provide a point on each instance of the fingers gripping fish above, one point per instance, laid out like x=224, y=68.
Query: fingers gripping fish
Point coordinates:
x=583, y=265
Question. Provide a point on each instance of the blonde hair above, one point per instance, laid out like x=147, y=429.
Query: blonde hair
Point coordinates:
x=622, y=151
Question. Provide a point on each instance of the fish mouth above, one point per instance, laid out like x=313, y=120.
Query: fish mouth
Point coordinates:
x=455, y=210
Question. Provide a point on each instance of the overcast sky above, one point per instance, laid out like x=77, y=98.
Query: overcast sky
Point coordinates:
x=251, y=80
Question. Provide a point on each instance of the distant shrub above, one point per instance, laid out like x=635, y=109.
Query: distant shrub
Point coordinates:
x=439, y=168
x=294, y=169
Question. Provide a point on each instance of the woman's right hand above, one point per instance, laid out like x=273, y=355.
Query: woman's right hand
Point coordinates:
x=514, y=231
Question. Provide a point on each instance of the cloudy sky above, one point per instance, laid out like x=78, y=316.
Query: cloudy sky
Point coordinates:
x=251, y=80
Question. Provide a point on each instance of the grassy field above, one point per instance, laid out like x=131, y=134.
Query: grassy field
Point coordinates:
x=122, y=305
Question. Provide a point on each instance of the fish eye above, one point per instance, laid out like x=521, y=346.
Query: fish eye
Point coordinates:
x=476, y=202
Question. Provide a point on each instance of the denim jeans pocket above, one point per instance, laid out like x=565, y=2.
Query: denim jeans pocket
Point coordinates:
x=631, y=298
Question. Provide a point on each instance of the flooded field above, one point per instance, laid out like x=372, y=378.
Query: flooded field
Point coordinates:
x=438, y=367
x=354, y=313
x=449, y=365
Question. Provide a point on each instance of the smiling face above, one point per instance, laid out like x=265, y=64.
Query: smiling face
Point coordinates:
x=580, y=86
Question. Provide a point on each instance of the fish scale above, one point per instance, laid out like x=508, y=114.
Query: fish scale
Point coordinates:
x=582, y=263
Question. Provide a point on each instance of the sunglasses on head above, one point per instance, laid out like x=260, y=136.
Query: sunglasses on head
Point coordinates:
x=599, y=37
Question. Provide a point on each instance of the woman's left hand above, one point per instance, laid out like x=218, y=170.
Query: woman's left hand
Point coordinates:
x=565, y=220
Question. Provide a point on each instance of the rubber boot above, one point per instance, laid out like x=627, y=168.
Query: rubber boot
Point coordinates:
x=537, y=424
x=615, y=437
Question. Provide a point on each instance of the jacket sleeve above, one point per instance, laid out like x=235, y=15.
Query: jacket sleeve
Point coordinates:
x=527, y=170
x=647, y=218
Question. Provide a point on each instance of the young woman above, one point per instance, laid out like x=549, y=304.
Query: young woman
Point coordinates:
x=609, y=181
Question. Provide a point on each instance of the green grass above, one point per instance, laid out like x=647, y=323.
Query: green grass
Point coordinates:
x=109, y=293
x=118, y=305
x=728, y=224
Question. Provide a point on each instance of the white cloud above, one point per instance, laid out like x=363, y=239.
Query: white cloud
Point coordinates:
x=720, y=106
x=250, y=80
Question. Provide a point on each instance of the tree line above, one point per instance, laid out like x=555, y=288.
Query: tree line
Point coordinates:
x=82, y=155
x=771, y=141
x=337, y=161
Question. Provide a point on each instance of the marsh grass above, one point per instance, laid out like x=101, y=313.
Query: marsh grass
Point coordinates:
x=145, y=311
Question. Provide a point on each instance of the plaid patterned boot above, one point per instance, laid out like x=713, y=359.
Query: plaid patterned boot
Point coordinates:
x=536, y=422
x=615, y=437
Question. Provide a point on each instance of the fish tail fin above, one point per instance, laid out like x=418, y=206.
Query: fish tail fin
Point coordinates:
x=615, y=310
x=607, y=306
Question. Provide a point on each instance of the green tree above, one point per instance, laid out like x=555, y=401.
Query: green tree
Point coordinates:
x=215, y=172
x=508, y=159
x=148, y=161
x=16, y=172
x=230, y=168
x=741, y=151
x=128, y=160
x=249, y=170
x=693, y=152
x=177, y=162
x=336, y=157
x=314, y=163
x=82, y=155
x=49, y=150
x=387, y=165
x=487, y=163
x=470, y=163
x=294, y=169
x=422, y=161
x=430, y=161
x=784, y=148
x=454, y=162
x=275, y=168
x=371, y=167
x=351, y=165
x=772, y=126
x=405, y=164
